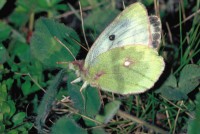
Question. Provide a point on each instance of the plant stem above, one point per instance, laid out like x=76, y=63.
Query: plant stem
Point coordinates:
x=31, y=21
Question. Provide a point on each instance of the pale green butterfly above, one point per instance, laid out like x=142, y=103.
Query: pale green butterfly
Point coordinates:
x=124, y=58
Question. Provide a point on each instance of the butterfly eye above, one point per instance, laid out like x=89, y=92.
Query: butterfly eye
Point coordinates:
x=112, y=37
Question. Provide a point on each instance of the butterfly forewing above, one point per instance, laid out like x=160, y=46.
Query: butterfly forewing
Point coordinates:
x=130, y=27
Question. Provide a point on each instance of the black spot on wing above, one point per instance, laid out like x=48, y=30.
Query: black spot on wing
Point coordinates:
x=112, y=37
x=156, y=36
x=153, y=19
x=133, y=33
x=155, y=43
x=156, y=24
x=155, y=30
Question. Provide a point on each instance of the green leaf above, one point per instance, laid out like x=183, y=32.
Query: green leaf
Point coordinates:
x=17, y=36
x=13, y=132
x=21, y=128
x=22, y=50
x=173, y=93
x=18, y=118
x=93, y=21
x=3, y=92
x=98, y=131
x=62, y=7
x=12, y=107
x=29, y=5
x=170, y=82
x=193, y=125
x=47, y=101
x=47, y=3
x=26, y=88
x=2, y=3
x=36, y=70
x=9, y=83
x=109, y=112
x=1, y=117
x=2, y=127
x=4, y=107
x=66, y=125
x=34, y=88
x=189, y=78
x=46, y=49
x=85, y=3
x=88, y=105
x=5, y=31
x=74, y=92
x=170, y=91
x=147, y=2
x=92, y=99
x=19, y=16
x=23, y=10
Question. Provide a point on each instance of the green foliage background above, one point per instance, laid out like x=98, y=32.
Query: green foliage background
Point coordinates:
x=35, y=82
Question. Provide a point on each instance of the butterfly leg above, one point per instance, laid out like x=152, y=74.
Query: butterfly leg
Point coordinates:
x=76, y=80
x=81, y=89
x=84, y=86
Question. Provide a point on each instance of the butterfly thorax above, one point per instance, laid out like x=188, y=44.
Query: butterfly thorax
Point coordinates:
x=77, y=66
x=83, y=73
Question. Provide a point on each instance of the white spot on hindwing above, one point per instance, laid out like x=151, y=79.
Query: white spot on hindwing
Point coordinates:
x=128, y=62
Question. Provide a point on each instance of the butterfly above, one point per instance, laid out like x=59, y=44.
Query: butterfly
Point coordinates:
x=124, y=58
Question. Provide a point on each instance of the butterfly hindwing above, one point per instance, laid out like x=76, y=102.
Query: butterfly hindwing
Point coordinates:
x=136, y=69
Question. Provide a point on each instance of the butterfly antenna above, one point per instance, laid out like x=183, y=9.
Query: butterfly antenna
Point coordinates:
x=76, y=41
x=82, y=25
x=123, y=4
x=65, y=47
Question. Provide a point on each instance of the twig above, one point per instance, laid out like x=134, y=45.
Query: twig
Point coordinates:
x=176, y=106
x=156, y=7
x=32, y=80
x=169, y=32
x=167, y=113
x=72, y=12
x=77, y=113
x=182, y=8
x=177, y=117
x=139, y=121
x=169, y=101
x=188, y=18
